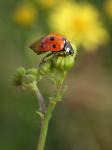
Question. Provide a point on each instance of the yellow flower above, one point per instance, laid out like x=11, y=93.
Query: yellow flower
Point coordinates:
x=25, y=15
x=79, y=23
x=108, y=7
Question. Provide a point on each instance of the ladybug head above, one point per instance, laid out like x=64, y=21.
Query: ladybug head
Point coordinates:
x=68, y=48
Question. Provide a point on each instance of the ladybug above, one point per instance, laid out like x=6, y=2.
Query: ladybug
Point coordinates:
x=52, y=43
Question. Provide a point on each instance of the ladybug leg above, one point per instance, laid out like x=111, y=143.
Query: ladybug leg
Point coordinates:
x=47, y=56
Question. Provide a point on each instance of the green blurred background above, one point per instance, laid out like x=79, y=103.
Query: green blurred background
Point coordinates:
x=83, y=120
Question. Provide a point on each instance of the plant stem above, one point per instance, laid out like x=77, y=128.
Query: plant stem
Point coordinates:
x=44, y=126
x=41, y=101
x=46, y=118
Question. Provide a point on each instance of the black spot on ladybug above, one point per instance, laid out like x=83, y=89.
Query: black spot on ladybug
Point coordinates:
x=52, y=38
x=54, y=46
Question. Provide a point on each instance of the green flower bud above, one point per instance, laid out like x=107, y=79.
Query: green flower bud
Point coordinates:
x=28, y=79
x=69, y=62
x=32, y=71
x=19, y=75
x=63, y=62
x=45, y=67
x=29, y=82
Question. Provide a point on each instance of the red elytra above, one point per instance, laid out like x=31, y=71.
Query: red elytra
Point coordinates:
x=51, y=42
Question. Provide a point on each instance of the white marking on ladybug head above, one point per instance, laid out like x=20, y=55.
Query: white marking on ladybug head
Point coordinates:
x=67, y=49
x=64, y=41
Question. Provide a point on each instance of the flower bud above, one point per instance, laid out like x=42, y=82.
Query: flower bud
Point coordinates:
x=18, y=76
x=45, y=67
x=64, y=62
x=28, y=79
x=35, y=72
x=32, y=71
x=69, y=62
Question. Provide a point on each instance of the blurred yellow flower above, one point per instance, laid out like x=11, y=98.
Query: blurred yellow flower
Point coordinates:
x=25, y=15
x=108, y=7
x=79, y=23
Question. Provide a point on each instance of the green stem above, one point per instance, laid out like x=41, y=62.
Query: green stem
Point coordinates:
x=44, y=126
x=42, y=105
x=46, y=118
